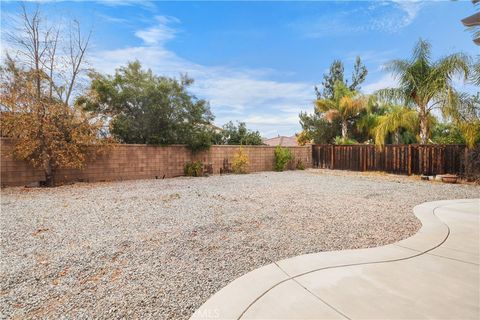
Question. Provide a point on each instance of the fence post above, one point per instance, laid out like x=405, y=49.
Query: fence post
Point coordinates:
x=362, y=159
x=365, y=158
x=409, y=159
x=385, y=155
x=332, y=161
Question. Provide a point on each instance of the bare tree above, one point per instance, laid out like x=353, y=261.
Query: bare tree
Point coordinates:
x=77, y=47
x=36, y=87
x=52, y=50
x=51, y=53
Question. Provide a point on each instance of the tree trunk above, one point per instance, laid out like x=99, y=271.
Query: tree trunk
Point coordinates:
x=49, y=174
x=396, y=137
x=423, y=126
x=344, y=130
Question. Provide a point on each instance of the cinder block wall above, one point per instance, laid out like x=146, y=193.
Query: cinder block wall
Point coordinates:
x=14, y=172
x=127, y=162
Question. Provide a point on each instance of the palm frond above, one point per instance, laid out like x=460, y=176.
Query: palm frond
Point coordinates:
x=397, y=67
x=470, y=132
x=323, y=105
x=367, y=122
x=439, y=79
x=456, y=63
x=351, y=105
x=345, y=104
x=331, y=115
x=476, y=72
x=392, y=95
x=398, y=117
x=422, y=51
x=451, y=102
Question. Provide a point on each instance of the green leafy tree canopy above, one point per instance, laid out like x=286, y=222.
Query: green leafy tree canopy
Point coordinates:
x=336, y=73
x=425, y=84
x=238, y=134
x=151, y=109
x=345, y=105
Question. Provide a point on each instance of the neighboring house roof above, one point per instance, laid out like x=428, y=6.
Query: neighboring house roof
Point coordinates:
x=215, y=128
x=473, y=22
x=281, y=141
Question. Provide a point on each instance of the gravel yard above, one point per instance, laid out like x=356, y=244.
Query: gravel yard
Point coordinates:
x=158, y=249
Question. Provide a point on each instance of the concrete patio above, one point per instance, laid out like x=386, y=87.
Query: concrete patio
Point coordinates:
x=433, y=274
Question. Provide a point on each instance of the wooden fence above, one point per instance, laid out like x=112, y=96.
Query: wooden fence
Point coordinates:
x=399, y=159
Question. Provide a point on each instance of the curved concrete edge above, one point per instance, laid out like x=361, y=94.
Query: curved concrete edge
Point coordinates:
x=234, y=299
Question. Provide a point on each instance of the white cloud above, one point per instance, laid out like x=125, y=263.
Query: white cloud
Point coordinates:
x=160, y=33
x=110, y=3
x=381, y=16
x=385, y=81
x=108, y=18
x=249, y=95
x=242, y=94
x=410, y=7
x=399, y=15
x=117, y=3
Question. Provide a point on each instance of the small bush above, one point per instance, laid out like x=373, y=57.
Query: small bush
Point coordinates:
x=300, y=165
x=200, y=141
x=240, y=161
x=282, y=157
x=303, y=138
x=340, y=141
x=193, y=169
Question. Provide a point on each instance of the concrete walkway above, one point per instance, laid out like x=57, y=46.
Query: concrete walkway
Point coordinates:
x=433, y=274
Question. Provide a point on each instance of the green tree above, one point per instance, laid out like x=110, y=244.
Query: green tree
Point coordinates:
x=447, y=133
x=303, y=138
x=367, y=121
x=396, y=119
x=151, y=109
x=465, y=114
x=345, y=105
x=318, y=128
x=315, y=125
x=239, y=135
x=425, y=84
x=336, y=73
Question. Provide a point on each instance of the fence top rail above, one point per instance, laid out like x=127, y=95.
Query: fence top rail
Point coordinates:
x=6, y=139
x=389, y=145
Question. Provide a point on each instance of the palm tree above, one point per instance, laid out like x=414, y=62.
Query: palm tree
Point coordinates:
x=476, y=72
x=466, y=116
x=397, y=118
x=345, y=105
x=425, y=84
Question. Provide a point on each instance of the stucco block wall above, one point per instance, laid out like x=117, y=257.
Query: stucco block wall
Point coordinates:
x=126, y=162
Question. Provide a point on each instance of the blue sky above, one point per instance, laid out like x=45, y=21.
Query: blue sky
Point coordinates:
x=258, y=62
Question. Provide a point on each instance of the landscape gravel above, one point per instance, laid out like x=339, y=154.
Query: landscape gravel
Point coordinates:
x=158, y=249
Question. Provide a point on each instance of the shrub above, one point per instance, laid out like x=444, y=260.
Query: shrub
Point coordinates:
x=282, y=157
x=240, y=161
x=238, y=134
x=341, y=141
x=303, y=138
x=193, y=169
x=300, y=165
x=200, y=140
